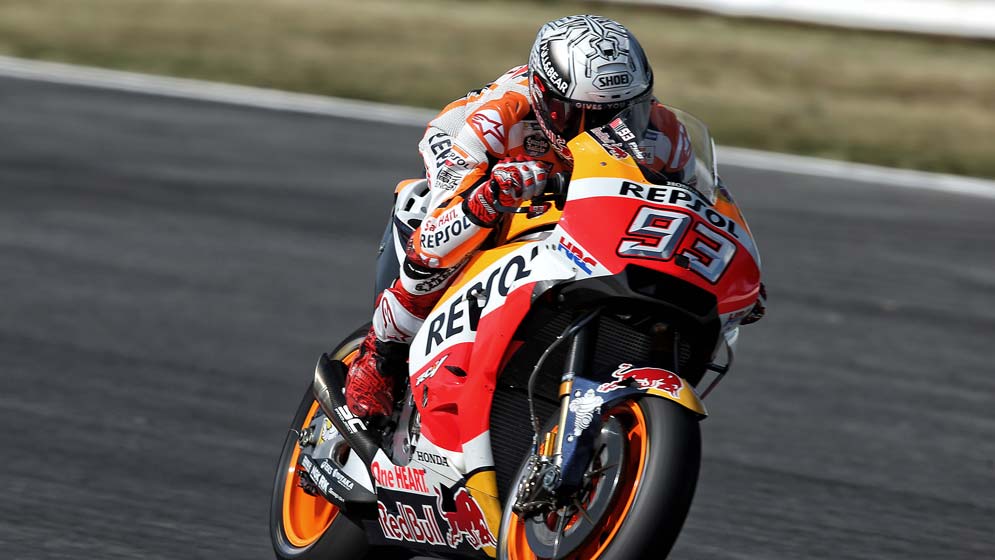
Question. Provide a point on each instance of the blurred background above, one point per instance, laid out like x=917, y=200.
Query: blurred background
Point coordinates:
x=170, y=268
x=906, y=100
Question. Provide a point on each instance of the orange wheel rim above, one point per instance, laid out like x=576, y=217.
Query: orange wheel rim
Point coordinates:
x=305, y=517
x=631, y=417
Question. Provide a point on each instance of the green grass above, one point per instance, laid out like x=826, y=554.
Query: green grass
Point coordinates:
x=906, y=101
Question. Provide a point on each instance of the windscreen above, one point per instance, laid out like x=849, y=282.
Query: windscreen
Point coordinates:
x=632, y=132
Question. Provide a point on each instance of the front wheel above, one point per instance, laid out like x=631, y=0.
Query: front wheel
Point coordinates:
x=304, y=526
x=643, y=477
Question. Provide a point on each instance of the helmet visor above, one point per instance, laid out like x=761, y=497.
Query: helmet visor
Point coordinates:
x=569, y=118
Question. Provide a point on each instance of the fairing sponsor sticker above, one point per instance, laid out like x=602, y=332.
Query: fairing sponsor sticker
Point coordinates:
x=450, y=519
x=466, y=522
x=407, y=525
x=456, y=320
x=645, y=378
x=585, y=407
x=670, y=195
x=573, y=251
x=406, y=479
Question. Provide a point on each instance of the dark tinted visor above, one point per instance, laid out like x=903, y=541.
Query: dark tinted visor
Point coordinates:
x=570, y=118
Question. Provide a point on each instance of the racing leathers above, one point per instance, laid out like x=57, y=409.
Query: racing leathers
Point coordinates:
x=489, y=135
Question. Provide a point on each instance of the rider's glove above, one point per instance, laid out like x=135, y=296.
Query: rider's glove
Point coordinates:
x=515, y=181
x=759, y=308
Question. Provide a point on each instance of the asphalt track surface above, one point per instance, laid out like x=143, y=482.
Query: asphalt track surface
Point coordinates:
x=170, y=270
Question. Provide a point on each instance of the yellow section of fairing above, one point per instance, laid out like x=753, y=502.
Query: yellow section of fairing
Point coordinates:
x=731, y=210
x=591, y=160
x=475, y=266
x=482, y=486
x=521, y=223
x=686, y=397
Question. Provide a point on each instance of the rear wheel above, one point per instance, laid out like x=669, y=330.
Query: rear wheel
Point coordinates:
x=642, y=480
x=303, y=526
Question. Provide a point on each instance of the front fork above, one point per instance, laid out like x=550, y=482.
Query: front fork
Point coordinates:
x=571, y=452
x=557, y=466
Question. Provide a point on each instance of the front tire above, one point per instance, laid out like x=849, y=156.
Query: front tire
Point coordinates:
x=303, y=526
x=662, y=450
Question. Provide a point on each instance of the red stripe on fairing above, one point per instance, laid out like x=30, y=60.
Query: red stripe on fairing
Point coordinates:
x=737, y=288
x=459, y=408
x=440, y=420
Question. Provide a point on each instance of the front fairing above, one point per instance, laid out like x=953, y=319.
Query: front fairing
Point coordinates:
x=457, y=355
x=614, y=218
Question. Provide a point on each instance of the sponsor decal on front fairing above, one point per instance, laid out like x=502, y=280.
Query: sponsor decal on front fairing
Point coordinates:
x=463, y=312
x=679, y=196
x=576, y=254
x=645, y=378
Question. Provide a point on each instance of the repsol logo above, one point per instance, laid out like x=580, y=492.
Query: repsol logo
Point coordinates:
x=618, y=79
x=432, y=240
x=441, y=146
x=463, y=313
x=680, y=197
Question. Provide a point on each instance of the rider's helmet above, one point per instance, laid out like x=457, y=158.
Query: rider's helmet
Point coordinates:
x=583, y=70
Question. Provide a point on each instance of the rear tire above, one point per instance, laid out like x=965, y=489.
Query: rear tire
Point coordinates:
x=305, y=527
x=648, y=511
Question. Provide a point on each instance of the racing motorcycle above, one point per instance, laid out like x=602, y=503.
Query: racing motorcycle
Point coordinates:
x=553, y=403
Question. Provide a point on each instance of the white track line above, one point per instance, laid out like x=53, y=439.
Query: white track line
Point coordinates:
x=277, y=100
x=958, y=18
x=271, y=99
x=855, y=172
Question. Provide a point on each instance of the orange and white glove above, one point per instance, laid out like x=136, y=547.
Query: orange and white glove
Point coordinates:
x=516, y=181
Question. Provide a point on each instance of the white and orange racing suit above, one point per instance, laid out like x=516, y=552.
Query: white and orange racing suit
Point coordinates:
x=459, y=148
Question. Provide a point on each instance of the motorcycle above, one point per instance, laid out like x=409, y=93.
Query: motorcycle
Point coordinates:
x=552, y=406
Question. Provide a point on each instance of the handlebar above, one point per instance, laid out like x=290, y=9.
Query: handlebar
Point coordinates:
x=555, y=191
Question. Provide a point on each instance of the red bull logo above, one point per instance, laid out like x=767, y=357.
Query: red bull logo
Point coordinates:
x=408, y=526
x=644, y=378
x=467, y=522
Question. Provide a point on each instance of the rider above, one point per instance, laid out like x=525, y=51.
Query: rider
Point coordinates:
x=582, y=71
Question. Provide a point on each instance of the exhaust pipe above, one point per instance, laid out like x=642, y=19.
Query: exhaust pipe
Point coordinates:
x=328, y=389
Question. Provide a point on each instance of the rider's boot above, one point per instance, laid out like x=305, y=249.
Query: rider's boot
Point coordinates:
x=377, y=374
